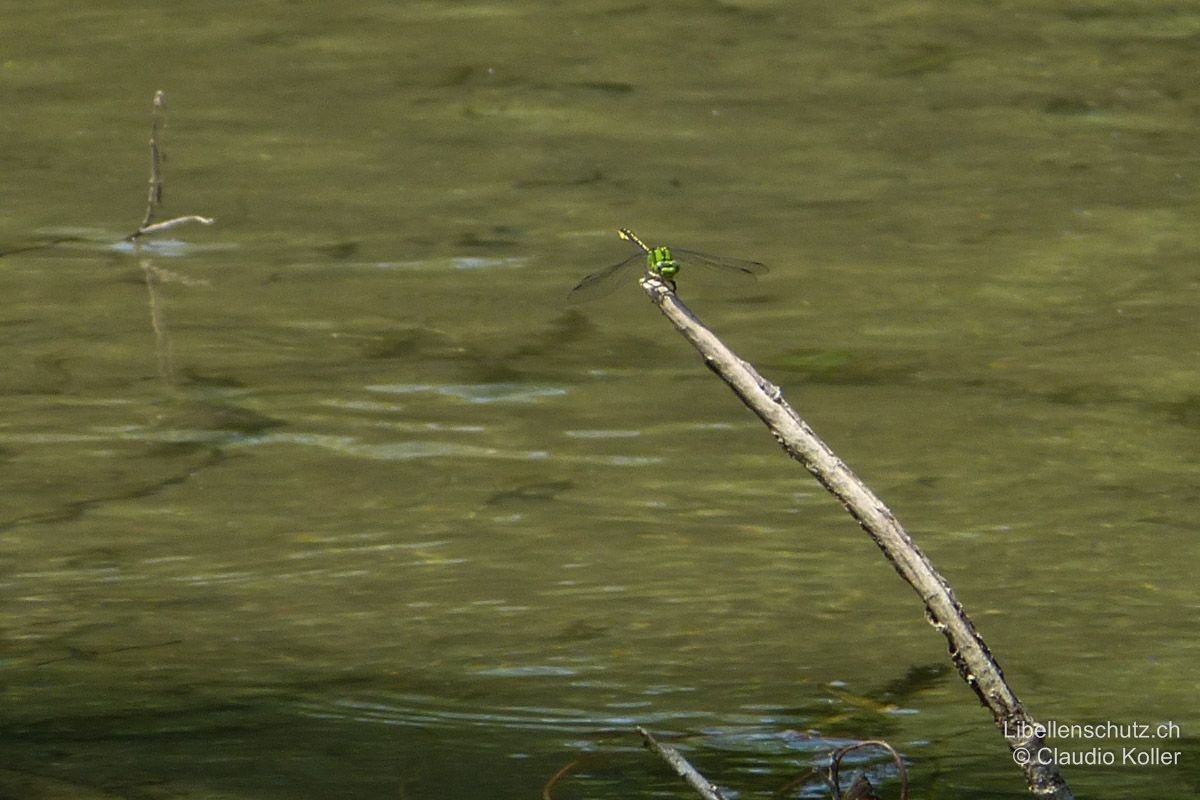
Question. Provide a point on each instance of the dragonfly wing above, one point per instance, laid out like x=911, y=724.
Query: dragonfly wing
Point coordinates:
x=732, y=268
x=604, y=282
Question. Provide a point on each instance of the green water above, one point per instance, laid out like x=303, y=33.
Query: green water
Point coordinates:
x=337, y=498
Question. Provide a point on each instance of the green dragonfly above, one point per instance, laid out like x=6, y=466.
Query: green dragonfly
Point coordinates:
x=665, y=262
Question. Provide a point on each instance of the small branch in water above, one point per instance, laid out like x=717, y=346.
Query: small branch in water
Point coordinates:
x=683, y=769
x=860, y=787
x=558, y=776
x=836, y=761
x=155, y=197
x=156, y=184
x=156, y=275
x=968, y=652
x=171, y=223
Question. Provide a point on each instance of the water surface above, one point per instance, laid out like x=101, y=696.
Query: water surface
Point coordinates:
x=337, y=498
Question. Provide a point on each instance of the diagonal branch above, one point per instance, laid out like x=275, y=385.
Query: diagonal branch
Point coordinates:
x=967, y=650
x=683, y=769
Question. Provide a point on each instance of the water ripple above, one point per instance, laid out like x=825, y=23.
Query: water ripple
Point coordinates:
x=475, y=392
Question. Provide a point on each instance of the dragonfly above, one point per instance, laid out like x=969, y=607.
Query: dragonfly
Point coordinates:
x=665, y=263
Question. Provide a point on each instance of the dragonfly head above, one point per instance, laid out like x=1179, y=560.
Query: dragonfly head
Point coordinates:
x=662, y=263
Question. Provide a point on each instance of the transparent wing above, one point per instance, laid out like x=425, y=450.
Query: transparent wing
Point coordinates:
x=601, y=283
x=735, y=268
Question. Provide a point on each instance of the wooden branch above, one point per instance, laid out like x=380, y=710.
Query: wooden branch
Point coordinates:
x=155, y=197
x=156, y=183
x=967, y=650
x=171, y=223
x=556, y=777
x=835, y=763
x=683, y=769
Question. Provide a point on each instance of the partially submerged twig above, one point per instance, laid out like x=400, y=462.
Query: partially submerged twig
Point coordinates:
x=155, y=197
x=835, y=763
x=158, y=227
x=548, y=789
x=155, y=275
x=860, y=786
x=558, y=776
x=156, y=184
x=683, y=769
x=967, y=650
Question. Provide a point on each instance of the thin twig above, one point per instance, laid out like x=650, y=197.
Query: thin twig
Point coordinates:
x=155, y=275
x=558, y=776
x=831, y=778
x=836, y=761
x=154, y=198
x=967, y=650
x=171, y=223
x=683, y=769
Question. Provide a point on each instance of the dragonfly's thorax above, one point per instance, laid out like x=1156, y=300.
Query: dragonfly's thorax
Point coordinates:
x=662, y=263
